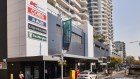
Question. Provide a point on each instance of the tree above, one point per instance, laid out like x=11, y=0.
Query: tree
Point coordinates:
x=129, y=60
x=136, y=62
x=115, y=61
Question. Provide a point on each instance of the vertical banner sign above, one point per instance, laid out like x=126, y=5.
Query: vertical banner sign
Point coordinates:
x=36, y=22
x=67, y=33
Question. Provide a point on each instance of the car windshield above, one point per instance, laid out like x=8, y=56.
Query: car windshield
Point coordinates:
x=84, y=73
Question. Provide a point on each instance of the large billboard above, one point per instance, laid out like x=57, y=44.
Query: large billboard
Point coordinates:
x=36, y=27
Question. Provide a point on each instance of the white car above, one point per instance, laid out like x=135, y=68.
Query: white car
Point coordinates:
x=87, y=75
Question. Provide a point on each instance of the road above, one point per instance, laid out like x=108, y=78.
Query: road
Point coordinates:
x=119, y=74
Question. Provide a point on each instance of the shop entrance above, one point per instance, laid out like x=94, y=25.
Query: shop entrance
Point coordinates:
x=28, y=72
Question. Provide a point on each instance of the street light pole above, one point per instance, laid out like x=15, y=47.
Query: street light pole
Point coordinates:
x=62, y=59
x=62, y=52
x=64, y=49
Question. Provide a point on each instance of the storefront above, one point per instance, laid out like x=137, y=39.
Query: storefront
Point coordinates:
x=34, y=67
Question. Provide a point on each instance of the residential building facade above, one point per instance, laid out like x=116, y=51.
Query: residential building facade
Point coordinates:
x=100, y=16
x=102, y=52
x=120, y=48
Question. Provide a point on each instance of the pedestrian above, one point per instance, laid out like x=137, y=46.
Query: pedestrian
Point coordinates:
x=21, y=75
x=106, y=72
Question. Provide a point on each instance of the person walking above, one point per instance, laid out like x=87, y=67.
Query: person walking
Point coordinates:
x=21, y=75
x=106, y=72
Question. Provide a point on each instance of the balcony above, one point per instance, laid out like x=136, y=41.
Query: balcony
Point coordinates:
x=75, y=10
x=97, y=22
x=64, y=3
x=51, y=1
x=94, y=1
x=52, y=9
x=84, y=20
x=83, y=7
x=65, y=10
x=82, y=2
x=76, y=3
x=84, y=13
x=76, y=17
x=104, y=27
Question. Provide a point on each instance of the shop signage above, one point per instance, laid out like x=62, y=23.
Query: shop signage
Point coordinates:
x=37, y=36
x=0, y=65
x=37, y=21
x=35, y=5
x=35, y=28
x=37, y=13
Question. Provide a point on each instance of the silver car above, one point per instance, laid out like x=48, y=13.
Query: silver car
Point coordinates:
x=87, y=75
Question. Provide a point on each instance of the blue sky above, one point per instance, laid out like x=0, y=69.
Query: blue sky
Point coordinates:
x=126, y=23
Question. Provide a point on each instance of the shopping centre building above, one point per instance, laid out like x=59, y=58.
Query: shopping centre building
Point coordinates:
x=31, y=38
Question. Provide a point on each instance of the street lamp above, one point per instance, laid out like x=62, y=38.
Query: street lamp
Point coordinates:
x=62, y=53
x=136, y=42
x=66, y=32
x=62, y=61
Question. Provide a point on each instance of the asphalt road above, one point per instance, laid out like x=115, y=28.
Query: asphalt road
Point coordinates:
x=119, y=74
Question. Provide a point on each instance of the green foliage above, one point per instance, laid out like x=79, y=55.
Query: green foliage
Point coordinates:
x=114, y=61
x=136, y=62
x=100, y=37
x=130, y=59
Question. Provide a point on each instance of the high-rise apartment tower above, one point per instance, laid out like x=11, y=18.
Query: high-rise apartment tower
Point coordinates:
x=70, y=9
x=100, y=16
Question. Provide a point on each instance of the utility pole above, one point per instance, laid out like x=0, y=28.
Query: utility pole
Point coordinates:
x=62, y=53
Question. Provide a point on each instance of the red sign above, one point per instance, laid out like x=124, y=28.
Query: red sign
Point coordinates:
x=37, y=13
x=33, y=4
x=0, y=65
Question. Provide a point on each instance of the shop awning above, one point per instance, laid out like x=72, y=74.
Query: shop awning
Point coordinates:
x=33, y=58
x=77, y=56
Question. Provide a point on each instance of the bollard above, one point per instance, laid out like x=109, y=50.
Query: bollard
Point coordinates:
x=11, y=76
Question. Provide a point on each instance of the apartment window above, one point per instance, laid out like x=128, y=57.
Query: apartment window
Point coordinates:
x=96, y=28
x=91, y=17
x=95, y=12
x=67, y=1
x=97, y=46
x=96, y=24
x=96, y=16
x=102, y=48
x=106, y=49
x=91, y=21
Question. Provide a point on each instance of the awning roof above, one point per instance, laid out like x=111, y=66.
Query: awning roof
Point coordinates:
x=77, y=56
x=55, y=57
x=33, y=58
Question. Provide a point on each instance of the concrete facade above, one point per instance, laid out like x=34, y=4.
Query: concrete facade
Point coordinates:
x=55, y=38
x=101, y=50
x=120, y=48
x=20, y=37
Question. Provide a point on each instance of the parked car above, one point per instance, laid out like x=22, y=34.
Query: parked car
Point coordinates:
x=87, y=75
